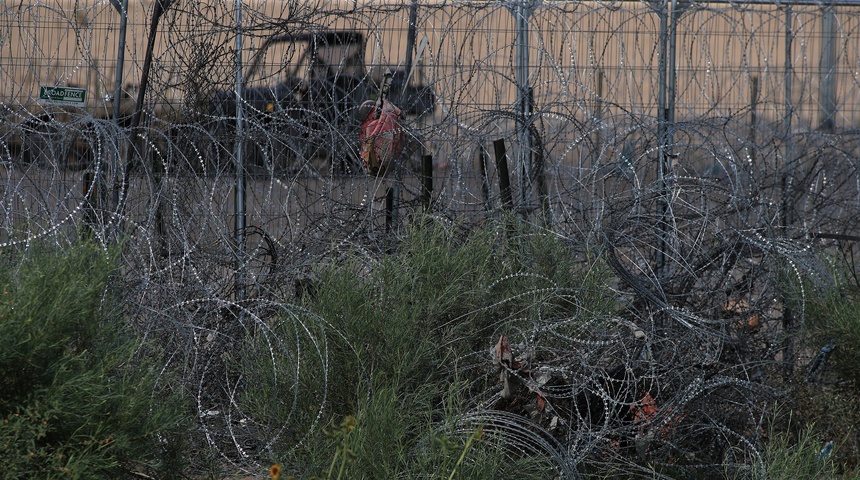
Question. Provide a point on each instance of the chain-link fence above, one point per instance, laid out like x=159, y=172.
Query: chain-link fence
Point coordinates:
x=691, y=141
x=584, y=88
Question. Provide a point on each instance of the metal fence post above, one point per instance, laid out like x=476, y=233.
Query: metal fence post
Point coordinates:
x=522, y=12
x=665, y=117
x=117, y=101
x=239, y=192
x=787, y=206
x=410, y=41
x=120, y=59
x=753, y=118
x=827, y=67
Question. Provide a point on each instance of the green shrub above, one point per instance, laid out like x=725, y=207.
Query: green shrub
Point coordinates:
x=80, y=396
x=384, y=339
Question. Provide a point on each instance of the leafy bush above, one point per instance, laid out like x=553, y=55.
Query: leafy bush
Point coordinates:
x=80, y=396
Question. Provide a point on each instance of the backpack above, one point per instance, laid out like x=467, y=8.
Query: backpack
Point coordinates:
x=381, y=135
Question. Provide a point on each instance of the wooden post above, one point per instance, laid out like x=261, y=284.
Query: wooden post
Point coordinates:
x=504, y=175
x=426, y=180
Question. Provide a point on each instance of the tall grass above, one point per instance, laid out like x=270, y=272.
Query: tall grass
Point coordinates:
x=824, y=391
x=80, y=395
x=834, y=317
x=407, y=337
x=820, y=395
x=790, y=455
x=371, y=374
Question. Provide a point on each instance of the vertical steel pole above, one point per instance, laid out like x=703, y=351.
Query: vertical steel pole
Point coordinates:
x=120, y=60
x=827, y=68
x=598, y=115
x=661, y=77
x=672, y=70
x=787, y=206
x=669, y=15
x=788, y=180
x=410, y=43
x=239, y=191
x=753, y=117
x=117, y=100
x=662, y=128
x=523, y=11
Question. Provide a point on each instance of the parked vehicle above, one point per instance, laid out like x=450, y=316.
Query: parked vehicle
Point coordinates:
x=299, y=115
x=310, y=116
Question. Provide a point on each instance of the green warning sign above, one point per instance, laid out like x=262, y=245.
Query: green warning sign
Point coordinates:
x=63, y=95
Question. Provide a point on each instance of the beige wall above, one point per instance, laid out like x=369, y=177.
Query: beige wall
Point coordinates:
x=470, y=58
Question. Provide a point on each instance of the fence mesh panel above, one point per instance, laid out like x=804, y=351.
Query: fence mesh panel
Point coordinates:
x=700, y=181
